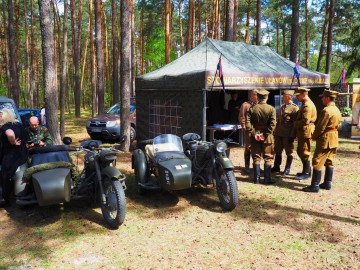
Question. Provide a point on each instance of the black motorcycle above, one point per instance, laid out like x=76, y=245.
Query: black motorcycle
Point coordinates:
x=211, y=165
x=52, y=178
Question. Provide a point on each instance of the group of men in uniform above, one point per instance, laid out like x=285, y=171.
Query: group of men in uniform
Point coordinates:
x=265, y=136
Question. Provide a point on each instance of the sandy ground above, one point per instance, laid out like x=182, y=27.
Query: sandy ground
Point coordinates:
x=273, y=227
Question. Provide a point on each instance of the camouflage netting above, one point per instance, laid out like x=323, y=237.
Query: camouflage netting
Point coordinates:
x=45, y=166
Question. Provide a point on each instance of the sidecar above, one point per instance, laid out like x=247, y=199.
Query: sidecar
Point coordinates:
x=49, y=174
x=161, y=164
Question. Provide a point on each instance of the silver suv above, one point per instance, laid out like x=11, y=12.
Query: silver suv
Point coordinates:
x=107, y=126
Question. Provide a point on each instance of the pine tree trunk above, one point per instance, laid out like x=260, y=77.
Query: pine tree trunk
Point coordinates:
x=29, y=102
x=248, y=14
x=92, y=63
x=63, y=79
x=323, y=36
x=181, y=41
x=142, y=69
x=15, y=86
x=191, y=22
x=76, y=57
x=125, y=70
x=167, y=32
x=99, y=54
x=258, y=22
x=33, y=59
x=294, y=30
x=329, y=36
x=47, y=38
x=236, y=8
x=307, y=61
x=115, y=71
x=229, y=30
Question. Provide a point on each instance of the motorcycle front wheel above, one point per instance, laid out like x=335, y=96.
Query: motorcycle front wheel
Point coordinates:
x=226, y=188
x=114, y=207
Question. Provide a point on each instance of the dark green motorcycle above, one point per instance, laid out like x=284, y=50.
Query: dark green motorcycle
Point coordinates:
x=162, y=163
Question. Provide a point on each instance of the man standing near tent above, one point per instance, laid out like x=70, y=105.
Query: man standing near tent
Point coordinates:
x=253, y=99
x=327, y=141
x=304, y=128
x=284, y=132
x=260, y=123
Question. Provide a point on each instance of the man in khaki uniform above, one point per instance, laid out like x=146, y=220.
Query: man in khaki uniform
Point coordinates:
x=253, y=99
x=304, y=128
x=260, y=123
x=284, y=132
x=327, y=141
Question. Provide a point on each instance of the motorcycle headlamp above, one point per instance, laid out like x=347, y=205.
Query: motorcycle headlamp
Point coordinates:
x=221, y=147
x=113, y=123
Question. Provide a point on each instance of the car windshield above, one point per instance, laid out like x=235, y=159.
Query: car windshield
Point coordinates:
x=167, y=142
x=7, y=105
x=115, y=109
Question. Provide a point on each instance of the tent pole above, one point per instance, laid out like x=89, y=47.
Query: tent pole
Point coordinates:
x=204, y=115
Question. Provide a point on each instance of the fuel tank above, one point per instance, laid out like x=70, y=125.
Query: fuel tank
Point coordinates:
x=52, y=186
x=175, y=174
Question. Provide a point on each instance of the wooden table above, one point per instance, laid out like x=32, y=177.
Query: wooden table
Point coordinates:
x=226, y=127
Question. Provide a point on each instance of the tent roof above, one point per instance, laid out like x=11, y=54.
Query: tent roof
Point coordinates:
x=244, y=66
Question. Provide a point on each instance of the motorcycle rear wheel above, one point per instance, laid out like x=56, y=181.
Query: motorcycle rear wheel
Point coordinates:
x=227, y=189
x=114, y=209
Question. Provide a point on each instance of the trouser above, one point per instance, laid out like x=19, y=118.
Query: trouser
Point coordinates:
x=323, y=157
x=304, y=149
x=261, y=150
x=282, y=143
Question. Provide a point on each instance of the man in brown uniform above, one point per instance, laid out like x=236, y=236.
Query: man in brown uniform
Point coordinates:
x=253, y=99
x=304, y=128
x=260, y=123
x=326, y=136
x=284, y=132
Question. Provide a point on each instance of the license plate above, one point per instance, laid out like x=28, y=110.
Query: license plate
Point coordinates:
x=96, y=130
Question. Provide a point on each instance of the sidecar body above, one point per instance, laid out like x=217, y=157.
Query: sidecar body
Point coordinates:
x=161, y=163
x=50, y=175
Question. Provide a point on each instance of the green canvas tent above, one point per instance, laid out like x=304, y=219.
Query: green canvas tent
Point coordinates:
x=173, y=99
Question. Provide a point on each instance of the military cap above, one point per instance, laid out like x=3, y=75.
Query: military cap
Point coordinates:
x=263, y=93
x=329, y=93
x=288, y=92
x=301, y=90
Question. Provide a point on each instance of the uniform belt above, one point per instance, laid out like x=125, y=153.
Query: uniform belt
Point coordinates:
x=331, y=129
x=310, y=124
x=259, y=126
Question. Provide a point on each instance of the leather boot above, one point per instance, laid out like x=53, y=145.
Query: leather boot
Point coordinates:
x=315, y=181
x=267, y=175
x=247, y=155
x=307, y=171
x=289, y=160
x=277, y=164
x=329, y=171
x=303, y=169
x=256, y=173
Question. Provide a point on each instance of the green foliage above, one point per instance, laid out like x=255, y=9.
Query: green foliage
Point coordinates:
x=346, y=111
x=155, y=50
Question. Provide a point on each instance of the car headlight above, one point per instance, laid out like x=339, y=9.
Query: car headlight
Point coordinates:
x=88, y=123
x=221, y=147
x=113, y=123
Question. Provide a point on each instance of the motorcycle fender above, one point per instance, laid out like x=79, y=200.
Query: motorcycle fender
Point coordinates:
x=140, y=165
x=112, y=172
x=225, y=162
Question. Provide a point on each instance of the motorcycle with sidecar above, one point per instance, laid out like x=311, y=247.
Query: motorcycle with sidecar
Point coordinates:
x=52, y=178
x=162, y=163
